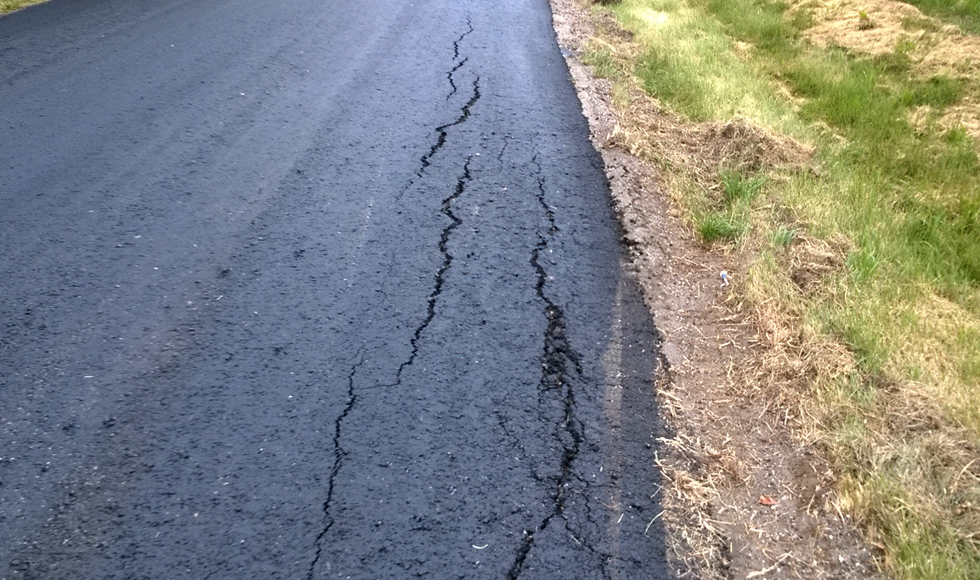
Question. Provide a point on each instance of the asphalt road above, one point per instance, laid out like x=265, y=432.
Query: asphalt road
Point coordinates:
x=313, y=289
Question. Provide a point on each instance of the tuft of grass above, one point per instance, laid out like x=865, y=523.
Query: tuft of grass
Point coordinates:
x=731, y=222
x=761, y=23
x=601, y=60
x=741, y=188
x=717, y=226
x=665, y=76
x=783, y=237
x=862, y=264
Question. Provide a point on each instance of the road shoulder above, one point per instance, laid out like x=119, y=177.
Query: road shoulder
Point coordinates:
x=743, y=496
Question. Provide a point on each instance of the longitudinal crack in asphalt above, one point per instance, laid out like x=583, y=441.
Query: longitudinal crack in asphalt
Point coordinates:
x=443, y=130
x=443, y=246
x=338, y=458
x=443, y=134
x=447, y=261
x=560, y=365
x=456, y=59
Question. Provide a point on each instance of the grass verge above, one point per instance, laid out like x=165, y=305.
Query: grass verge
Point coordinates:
x=965, y=13
x=11, y=5
x=853, y=197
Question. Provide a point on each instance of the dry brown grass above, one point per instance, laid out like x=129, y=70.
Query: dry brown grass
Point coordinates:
x=697, y=152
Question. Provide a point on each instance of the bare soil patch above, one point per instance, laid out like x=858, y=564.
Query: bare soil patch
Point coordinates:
x=745, y=498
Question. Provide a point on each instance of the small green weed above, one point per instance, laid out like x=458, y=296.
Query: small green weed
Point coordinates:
x=715, y=226
x=740, y=188
x=864, y=21
x=783, y=237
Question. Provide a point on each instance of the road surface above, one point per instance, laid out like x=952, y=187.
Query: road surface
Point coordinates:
x=313, y=289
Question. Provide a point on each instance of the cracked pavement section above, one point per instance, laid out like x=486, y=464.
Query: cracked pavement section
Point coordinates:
x=459, y=62
x=314, y=290
x=338, y=459
x=556, y=380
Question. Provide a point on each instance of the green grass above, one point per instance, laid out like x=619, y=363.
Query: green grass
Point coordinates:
x=938, y=92
x=602, y=62
x=729, y=221
x=665, y=76
x=929, y=181
x=964, y=13
x=906, y=195
x=862, y=264
x=740, y=188
x=783, y=237
x=721, y=226
x=11, y=5
x=688, y=62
